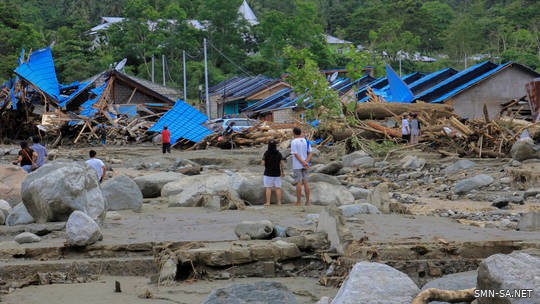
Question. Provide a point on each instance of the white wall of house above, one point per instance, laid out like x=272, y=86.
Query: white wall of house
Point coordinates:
x=504, y=86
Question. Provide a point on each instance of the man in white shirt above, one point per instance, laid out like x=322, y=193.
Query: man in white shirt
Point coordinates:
x=97, y=165
x=301, y=152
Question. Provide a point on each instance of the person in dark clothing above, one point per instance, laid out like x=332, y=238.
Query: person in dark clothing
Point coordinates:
x=102, y=133
x=27, y=158
x=273, y=171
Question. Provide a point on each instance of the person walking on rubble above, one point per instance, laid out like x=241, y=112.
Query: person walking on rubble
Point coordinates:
x=27, y=158
x=273, y=171
x=166, y=140
x=41, y=152
x=301, y=152
x=415, y=128
x=405, y=128
x=96, y=164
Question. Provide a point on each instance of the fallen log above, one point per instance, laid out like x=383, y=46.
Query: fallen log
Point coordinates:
x=450, y=296
x=382, y=110
x=385, y=130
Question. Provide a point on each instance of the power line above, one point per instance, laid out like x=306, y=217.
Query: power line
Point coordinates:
x=230, y=60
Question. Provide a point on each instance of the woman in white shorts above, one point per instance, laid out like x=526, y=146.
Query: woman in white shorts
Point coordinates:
x=273, y=171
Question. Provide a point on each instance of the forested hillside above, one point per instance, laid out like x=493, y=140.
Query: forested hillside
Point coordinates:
x=447, y=30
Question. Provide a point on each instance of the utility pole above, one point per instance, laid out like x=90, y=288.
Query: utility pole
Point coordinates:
x=152, y=68
x=185, y=80
x=163, y=67
x=206, y=81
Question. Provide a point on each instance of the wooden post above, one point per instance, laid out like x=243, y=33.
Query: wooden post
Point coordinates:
x=132, y=94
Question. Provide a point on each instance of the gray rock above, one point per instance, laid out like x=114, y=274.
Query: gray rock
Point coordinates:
x=260, y=292
x=469, y=184
x=511, y=272
x=455, y=281
x=151, y=185
x=382, y=164
x=374, y=283
x=323, y=178
x=332, y=222
x=250, y=188
x=358, y=159
x=82, y=230
x=354, y=209
x=532, y=192
x=523, y=149
x=19, y=216
x=122, y=193
x=344, y=171
x=529, y=221
x=27, y=237
x=412, y=162
x=256, y=230
x=325, y=194
x=380, y=198
x=55, y=190
x=359, y=193
x=5, y=208
x=330, y=168
x=2, y=218
x=461, y=164
x=190, y=191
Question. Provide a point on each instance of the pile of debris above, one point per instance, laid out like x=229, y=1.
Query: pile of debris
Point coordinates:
x=259, y=134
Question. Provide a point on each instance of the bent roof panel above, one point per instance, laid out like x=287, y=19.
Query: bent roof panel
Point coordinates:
x=266, y=102
x=183, y=121
x=432, y=79
x=39, y=71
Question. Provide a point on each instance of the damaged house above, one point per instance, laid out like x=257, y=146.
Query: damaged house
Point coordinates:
x=35, y=102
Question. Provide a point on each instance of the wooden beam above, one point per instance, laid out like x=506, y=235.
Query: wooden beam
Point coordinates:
x=132, y=94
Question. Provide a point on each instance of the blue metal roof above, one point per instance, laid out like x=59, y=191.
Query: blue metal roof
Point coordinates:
x=39, y=71
x=458, y=82
x=183, y=121
x=399, y=92
x=87, y=109
x=81, y=87
x=276, y=97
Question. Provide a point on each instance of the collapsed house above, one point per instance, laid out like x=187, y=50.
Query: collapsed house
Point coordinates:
x=34, y=102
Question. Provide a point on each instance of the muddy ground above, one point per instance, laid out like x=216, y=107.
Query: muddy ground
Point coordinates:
x=424, y=221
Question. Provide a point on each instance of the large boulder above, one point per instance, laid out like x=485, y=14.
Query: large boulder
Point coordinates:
x=190, y=190
x=19, y=216
x=325, y=194
x=27, y=237
x=466, y=185
x=354, y=209
x=11, y=178
x=358, y=159
x=259, y=292
x=82, y=230
x=55, y=190
x=529, y=221
x=359, y=193
x=332, y=222
x=455, y=281
x=461, y=164
x=511, y=272
x=375, y=283
x=330, y=168
x=524, y=149
x=5, y=207
x=324, y=178
x=256, y=230
x=122, y=193
x=152, y=184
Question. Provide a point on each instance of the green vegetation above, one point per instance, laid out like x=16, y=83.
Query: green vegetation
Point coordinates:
x=289, y=31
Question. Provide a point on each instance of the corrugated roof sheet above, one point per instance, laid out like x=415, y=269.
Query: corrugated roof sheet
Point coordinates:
x=268, y=101
x=431, y=80
x=183, y=121
x=459, y=80
x=87, y=109
x=39, y=71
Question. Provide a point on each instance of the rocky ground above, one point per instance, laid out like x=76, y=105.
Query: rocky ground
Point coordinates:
x=405, y=199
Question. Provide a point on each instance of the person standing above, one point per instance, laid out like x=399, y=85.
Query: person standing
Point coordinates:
x=415, y=128
x=301, y=152
x=27, y=158
x=405, y=128
x=102, y=132
x=166, y=140
x=273, y=171
x=40, y=150
x=96, y=164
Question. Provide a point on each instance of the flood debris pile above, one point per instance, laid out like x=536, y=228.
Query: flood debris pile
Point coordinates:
x=110, y=107
x=257, y=135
